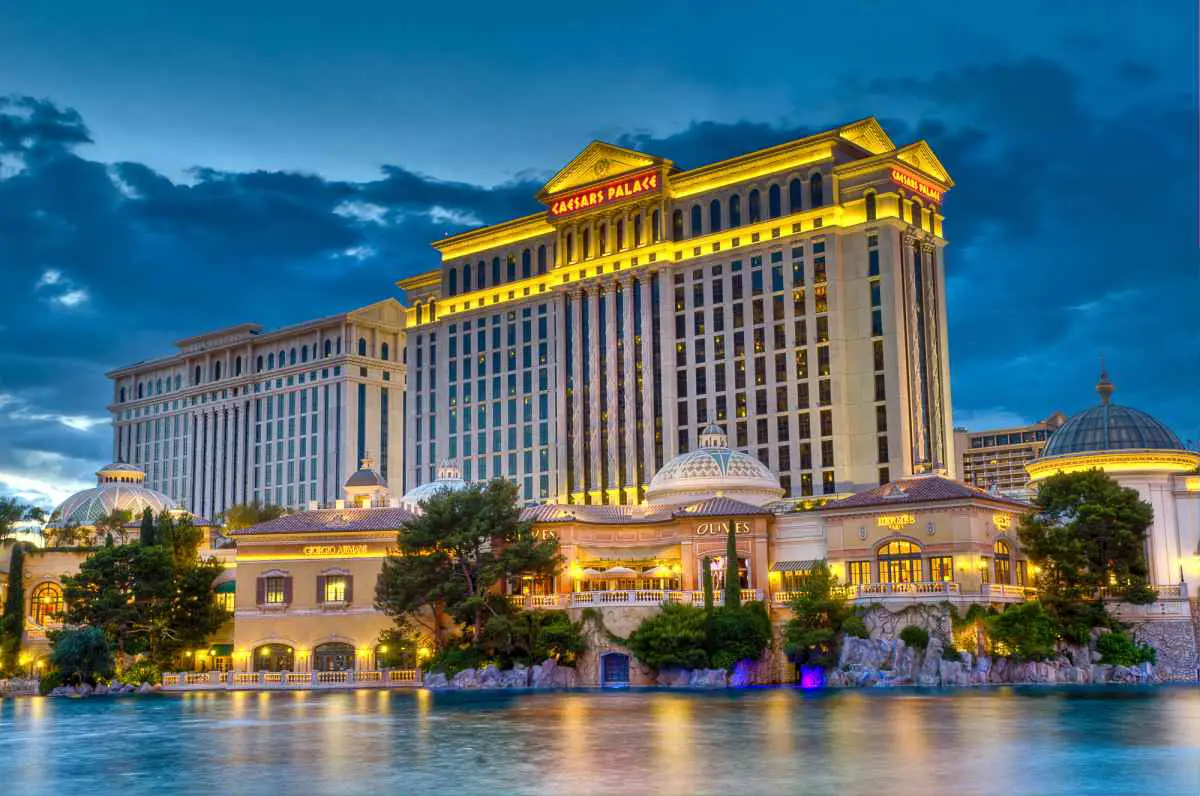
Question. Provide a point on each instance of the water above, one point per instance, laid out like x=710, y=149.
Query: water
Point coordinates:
x=771, y=741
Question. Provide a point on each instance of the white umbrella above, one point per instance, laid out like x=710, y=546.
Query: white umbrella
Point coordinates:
x=618, y=571
x=660, y=571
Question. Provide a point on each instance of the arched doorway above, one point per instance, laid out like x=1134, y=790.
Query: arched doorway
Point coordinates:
x=333, y=657
x=274, y=658
x=899, y=562
x=1002, y=561
x=46, y=603
x=614, y=669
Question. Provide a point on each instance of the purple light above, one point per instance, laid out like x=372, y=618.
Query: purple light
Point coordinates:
x=812, y=677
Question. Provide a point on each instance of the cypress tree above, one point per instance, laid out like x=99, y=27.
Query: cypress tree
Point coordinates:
x=733, y=589
x=708, y=585
x=12, y=624
x=147, y=534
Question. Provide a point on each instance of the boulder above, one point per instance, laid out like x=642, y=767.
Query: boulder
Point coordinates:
x=548, y=674
x=85, y=690
x=929, y=671
x=101, y=690
x=145, y=688
x=674, y=678
x=516, y=677
x=436, y=680
x=466, y=679
x=708, y=678
x=488, y=677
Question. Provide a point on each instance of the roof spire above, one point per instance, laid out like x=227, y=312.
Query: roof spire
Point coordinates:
x=1104, y=387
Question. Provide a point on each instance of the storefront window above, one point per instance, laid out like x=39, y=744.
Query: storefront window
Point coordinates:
x=274, y=590
x=793, y=581
x=858, y=572
x=333, y=657
x=335, y=588
x=1022, y=573
x=274, y=658
x=899, y=562
x=1002, y=561
x=47, y=603
x=941, y=568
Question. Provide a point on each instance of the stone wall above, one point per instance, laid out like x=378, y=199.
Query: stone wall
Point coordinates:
x=1175, y=641
x=885, y=623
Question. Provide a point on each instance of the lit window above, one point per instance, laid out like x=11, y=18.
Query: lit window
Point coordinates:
x=273, y=592
x=335, y=588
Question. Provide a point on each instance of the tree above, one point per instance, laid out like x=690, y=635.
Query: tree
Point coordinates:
x=531, y=636
x=733, y=587
x=1024, y=631
x=35, y=513
x=12, y=622
x=113, y=524
x=146, y=535
x=677, y=636
x=11, y=512
x=450, y=559
x=708, y=585
x=1087, y=532
x=244, y=515
x=81, y=655
x=813, y=634
x=179, y=537
x=738, y=633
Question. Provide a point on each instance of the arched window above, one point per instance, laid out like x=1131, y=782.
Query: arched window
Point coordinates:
x=816, y=190
x=216, y=374
x=328, y=346
x=196, y=376
x=237, y=366
x=46, y=603
x=541, y=261
x=178, y=381
x=274, y=658
x=714, y=215
x=362, y=346
x=282, y=361
x=141, y=389
x=697, y=221
x=570, y=247
x=292, y=356
x=755, y=208
x=158, y=384
x=526, y=264
x=270, y=362
x=620, y=242
x=467, y=278
x=452, y=288
x=869, y=202
x=899, y=562
x=1002, y=561
x=337, y=345
x=333, y=657
x=637, y=230
x=677, y=225
x=656, y=226
x=918, y=213
x=585, y=244
x=495, y=270
x=774, y=202
x=602, y=239
x=735, y=210
x=258, y=363
x=383, y=351
x=795, y=195
x=122, y=395
x=304, y=353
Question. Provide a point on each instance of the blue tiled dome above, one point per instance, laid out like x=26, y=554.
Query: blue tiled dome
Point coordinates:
x=1109, y=427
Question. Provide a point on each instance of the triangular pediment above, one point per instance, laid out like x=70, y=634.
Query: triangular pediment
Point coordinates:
x=388, y=312
x=869, y=135
x=920, y=156
x=598, y=161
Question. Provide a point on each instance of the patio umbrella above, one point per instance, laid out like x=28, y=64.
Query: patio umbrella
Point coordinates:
x=589, y=572
x=660, y=571
x=615, y=572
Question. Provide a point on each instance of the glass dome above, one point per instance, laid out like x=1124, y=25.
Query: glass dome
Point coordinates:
x=449, y=478
x=714, y=470
x=119, y=487
x=1109, y=427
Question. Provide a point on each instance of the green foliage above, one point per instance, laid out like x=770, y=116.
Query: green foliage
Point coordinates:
x=35, y=513
x=533, y=636
x=1118, y=649
x=12, y=621
x=1075, y=618
x=450, y=559
x=915, y=636
x=738, y=634
x=455, y=657
x=813, y=635
x=142, y=671
x=674, y=637
x=244, y=515
x=1140, y=593
x=49, y=681
x=950, y=653
x=11, y=511
x=733, y=588
x=81, y=655
x=112, y=524
x=146, y=535
x=1087, y=532
x=179, y=537
x=1025, y=631
x=855, y=626
x=708, y=585
x=396, y=649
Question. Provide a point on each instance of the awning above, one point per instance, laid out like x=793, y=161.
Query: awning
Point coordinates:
x=795, y=566
x=228, y=587
x=221, y=650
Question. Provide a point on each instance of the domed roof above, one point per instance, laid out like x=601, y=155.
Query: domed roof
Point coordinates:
x=119, y=488
x=1109, y=427
x=713, y=470
x=449, y=479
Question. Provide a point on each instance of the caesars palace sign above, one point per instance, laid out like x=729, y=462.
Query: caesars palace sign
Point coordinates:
x=639, y=184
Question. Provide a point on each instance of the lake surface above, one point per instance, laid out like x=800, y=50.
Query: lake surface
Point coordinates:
x=770, y=741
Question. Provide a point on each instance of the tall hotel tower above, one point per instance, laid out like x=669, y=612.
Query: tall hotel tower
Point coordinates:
x=794, y=296
x=283, y=417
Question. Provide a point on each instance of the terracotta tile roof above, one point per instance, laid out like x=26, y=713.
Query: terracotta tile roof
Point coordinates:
x=333, y=520
x=719, y=507
x=617, y=515
x=919, y=489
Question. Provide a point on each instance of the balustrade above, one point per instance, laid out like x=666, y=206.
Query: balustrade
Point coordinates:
x=367, y=678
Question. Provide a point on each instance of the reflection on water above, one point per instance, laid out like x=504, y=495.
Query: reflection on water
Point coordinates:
x=776, y=741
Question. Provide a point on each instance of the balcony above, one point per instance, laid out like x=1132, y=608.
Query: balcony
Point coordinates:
x=930, y=591
x=291, y=681
x=622, y=598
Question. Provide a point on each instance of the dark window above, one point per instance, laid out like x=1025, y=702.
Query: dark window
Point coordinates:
x=755, y=207
x=774, y=203
x=697, y=219
x=362, y=346
x=451, y=288
x=526, y=264
x=714, y=215
x=735, y=210
x=467, y=278
x=677, y=225
x=795, y=195
x=816, y=190
x=541, y=259
x=656, y=226
x=870, y=202
x=195, y=380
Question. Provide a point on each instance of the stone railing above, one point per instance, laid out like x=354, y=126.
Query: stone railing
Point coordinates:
x=293, y=681
x=1169, y=591
x=624, y=597
x=1007, y=592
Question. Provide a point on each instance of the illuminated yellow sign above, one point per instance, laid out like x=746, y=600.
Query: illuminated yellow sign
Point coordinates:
x=901, y=177
x=721, y=528
x=624, y=188
x=1002, y=521
x=895, y=521
x=335, y=550
x=543, y=534
x=1192, y=483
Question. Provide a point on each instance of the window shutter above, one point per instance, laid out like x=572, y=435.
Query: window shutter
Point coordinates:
x=287, y=590
x=349, y=589
x=320, y=589
x=260, y=591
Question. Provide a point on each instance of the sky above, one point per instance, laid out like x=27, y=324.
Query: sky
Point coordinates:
x=168, y=169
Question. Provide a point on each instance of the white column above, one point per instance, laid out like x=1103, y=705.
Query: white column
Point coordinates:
x=593, y=409
x=576, y=310
x=559, y=377
x=666, y=345
x=613, y=387
x=647, y=396
x=628, y=385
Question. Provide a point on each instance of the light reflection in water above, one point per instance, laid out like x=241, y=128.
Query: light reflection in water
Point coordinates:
x=770, y=741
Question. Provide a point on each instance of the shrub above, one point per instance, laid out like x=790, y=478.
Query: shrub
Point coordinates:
x=395, y=649
x=82, y=656
x=1075, y=619
x=1119, y=649
x=139, y=672
x=674, y=637
x=856, y=627
x=48, y=682
x=914, y=636
x=738, y=634
x=455, y=659
x=1140, y=593
x=813, y=635
x=949, y=653
x=1025, y=631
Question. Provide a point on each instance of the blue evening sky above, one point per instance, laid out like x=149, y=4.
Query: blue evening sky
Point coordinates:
x=171, y=168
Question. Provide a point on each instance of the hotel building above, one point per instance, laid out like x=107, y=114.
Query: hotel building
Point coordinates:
x=793, y=296
x=283, y=417
x=996, y=458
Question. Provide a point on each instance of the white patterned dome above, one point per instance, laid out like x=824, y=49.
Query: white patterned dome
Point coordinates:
x=119, y=487
x=714, y=470
x=449, y=479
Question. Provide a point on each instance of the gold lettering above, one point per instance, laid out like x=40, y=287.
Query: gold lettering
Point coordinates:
x=895, y=521
x=335, y=549
x=721, y=528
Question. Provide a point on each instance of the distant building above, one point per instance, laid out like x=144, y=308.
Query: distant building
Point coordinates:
x=997, y=457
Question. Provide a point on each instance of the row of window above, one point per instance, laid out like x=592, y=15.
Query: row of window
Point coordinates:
x=728, y=214
x=476, y=277
x=331, y=587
